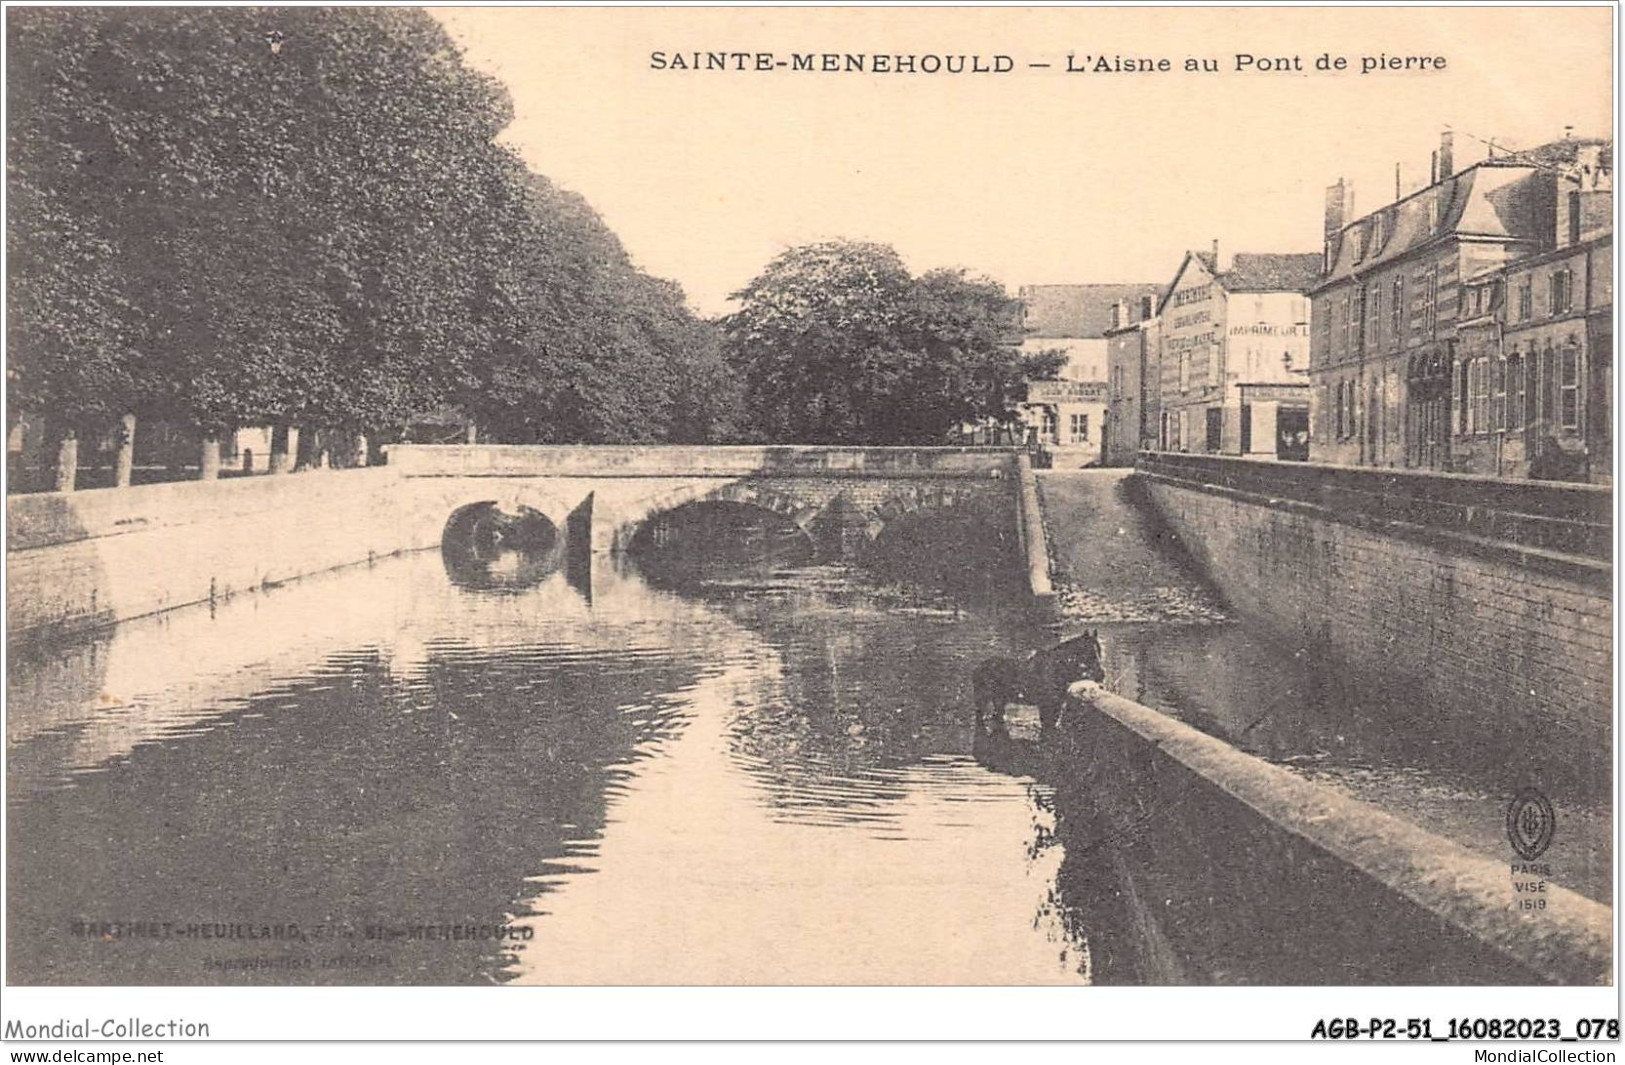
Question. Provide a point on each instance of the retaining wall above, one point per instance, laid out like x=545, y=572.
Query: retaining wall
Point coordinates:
x=1233, y=870
x=1486, y=599
x=80, y=560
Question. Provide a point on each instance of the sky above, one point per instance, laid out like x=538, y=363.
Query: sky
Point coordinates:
x=1038, y=176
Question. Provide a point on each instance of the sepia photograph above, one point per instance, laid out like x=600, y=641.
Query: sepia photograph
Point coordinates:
x=810, y=497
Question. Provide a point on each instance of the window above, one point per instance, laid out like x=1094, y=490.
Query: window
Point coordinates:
x=1373, y=325
x=1080, y=428
x=1480, y=397
x=1356, y=315
x=1498, y=393
x=1397, y=314
x=1050, y=430
x=1569, y=401
x=1548, y=385
x=1430, y=301
x=1474, y=375
x=1515, y=392
x=1463, y=406
x=1562, y=298
x=1526, y=300
x=1184, y=371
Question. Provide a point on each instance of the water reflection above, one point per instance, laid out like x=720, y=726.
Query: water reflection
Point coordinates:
x=651, y=787
x=704, y=541
x=488, y=549
x=763, y=775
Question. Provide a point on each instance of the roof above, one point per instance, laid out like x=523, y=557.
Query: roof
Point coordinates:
x=1490, y=201
x=1272, y=272
x=1562, y=155
x=1253, y=272
x=1055, y=311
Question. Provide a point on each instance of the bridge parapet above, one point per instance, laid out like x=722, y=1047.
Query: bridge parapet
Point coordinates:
x=663, y=460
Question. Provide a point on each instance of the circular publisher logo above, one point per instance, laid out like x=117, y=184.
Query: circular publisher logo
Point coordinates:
x=1530, y=823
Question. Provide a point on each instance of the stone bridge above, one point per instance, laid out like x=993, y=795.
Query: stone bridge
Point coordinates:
x=842, y=497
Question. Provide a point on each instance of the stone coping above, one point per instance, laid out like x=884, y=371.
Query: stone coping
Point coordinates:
x=1571, y=941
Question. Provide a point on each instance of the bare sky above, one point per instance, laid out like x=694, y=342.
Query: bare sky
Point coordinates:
x=1037, y=176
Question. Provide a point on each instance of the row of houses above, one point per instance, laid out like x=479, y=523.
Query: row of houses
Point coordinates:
x=1466, y=326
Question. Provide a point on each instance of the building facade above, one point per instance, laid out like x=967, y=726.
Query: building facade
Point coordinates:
x=1434, y=315
x=1132, y=347
x=1067, y=417
x=1233, y=355
x=1533, y=374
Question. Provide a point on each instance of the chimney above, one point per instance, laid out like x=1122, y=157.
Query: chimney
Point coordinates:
x=1589, y=169
x=1339, y=206
x=1446, y=155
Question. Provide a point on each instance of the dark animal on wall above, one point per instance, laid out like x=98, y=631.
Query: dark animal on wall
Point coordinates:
x=1041, y=679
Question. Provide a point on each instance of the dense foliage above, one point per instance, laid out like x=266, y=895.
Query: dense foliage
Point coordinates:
x=837, y=343
x=225, y=216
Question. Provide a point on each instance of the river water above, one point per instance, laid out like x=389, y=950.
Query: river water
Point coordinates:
x=767, y=781
x=394, y=774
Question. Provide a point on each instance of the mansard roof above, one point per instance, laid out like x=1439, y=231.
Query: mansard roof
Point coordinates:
x=1495, y=200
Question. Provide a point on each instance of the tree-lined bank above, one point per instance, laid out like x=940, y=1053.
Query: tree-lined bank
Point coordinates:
x=301, y=219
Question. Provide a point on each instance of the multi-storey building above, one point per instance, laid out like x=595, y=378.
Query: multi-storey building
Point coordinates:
x=1234, y=352
x=1132, y=346
x=1423, y=304
x=1067, y=415
x=1533, y=375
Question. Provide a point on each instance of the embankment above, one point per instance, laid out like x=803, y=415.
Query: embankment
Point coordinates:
x=1482, y=599
x=81, y=560
x=1238, y=871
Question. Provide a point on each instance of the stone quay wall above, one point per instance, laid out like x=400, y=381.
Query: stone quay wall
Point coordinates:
x=82, y=560
x=1475, y=596
x=1266, y=872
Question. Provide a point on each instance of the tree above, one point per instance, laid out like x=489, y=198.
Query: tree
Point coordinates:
x=228, y=216
x=835, y=342
x=591, y=349
x=269, y=214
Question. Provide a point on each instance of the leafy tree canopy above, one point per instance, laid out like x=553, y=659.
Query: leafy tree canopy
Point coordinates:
x=836, y=342
x=231, y=216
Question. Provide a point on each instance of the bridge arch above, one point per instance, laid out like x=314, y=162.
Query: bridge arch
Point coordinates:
x=797, y=508
x=437, y=501
x=914, y=500
x=487, y=547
